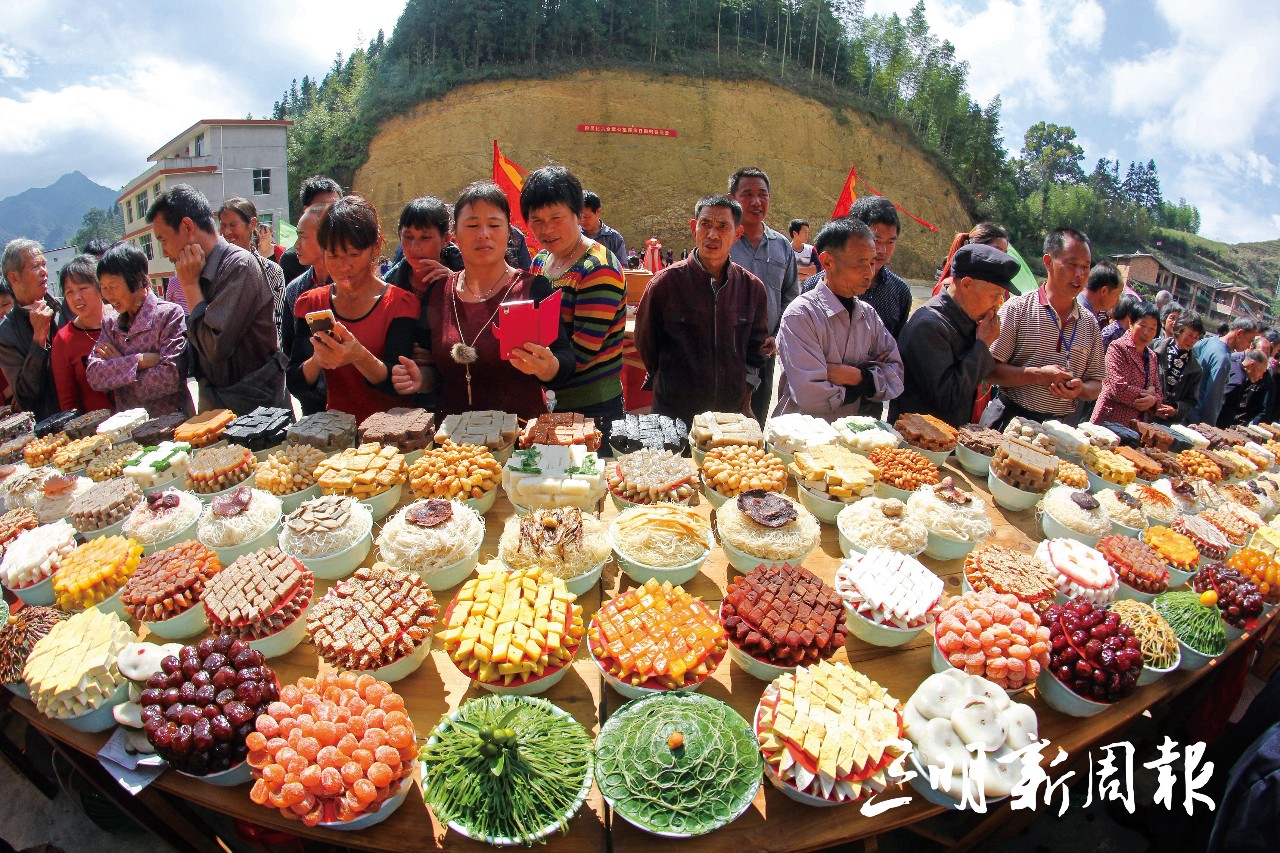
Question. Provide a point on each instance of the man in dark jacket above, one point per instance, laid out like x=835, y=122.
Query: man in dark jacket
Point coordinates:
x=1180, y=373
x=945, y=346
x=703, y=321
x=28, y=329
x=1248, y=390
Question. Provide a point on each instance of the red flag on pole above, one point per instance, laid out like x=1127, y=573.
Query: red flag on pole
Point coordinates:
x=847, y=195
x=510, y=179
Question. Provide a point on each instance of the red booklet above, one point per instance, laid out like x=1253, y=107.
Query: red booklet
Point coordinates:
x=525, y=321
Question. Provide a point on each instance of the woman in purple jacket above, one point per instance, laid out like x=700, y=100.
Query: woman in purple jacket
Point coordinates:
x=139, y=352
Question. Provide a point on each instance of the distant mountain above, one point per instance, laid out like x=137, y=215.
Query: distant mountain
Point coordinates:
x=52, y=214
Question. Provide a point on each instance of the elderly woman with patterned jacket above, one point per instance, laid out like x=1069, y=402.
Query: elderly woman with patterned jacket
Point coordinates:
x=1131, y=389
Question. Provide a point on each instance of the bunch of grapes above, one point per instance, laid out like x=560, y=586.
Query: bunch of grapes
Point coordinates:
x=1238, y=599
x=1091, y=651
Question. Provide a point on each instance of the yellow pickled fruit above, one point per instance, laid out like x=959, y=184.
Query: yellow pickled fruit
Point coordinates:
x=1209, y=597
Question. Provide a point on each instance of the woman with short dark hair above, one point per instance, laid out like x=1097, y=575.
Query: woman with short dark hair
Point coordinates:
x=464, y=352
x=363, y=325
x=69, y=352
x=139, y=354
x=1131, y=389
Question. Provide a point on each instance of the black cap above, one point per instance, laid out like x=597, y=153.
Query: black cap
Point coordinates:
x=985, y=263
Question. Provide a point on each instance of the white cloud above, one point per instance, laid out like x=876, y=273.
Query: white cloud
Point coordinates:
x=12, y=64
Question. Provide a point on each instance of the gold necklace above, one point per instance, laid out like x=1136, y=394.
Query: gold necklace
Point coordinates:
x=465, y=353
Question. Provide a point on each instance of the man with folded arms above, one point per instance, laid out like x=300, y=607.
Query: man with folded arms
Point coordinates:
x=946, y=345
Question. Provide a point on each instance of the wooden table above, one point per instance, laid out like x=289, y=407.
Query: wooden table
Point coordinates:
x=772, y=823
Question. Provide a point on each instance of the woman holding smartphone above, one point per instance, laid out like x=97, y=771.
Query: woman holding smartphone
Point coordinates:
x=465, y=358
x=357, y=328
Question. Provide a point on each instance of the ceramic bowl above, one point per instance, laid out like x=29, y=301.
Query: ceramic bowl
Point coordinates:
x=875, y=633
x=1125, y=530
x=1062, y=698
x=1233, y=633
x=886, y=491
x=1192, y=659
x=823, y=509
x=792, y=793
x=941, y=547
x=757, y=668
x=1151, y=674
x=340, y=563
x=717, y=499
x=109, y=530
x=282, y=642
x=266, y=539
x=786, y=456
x=189, y=623
x=387, y=809
x=383, y=503
x=1178, y=578
x=19, y=689
x=622, y=503
x=641, y=573
x=406, y=666
x=583, y=583
x=1096, y=483
x=103, y=717
x=37, y=593
x=972, y=461
x=188, y=532
x=483, y=504
x=937, y=457
x=293, y=500
x=634, y=691
x=113, y=606
x=1054, y=529
x=1125, y=591
x=455, y=573
x=209, y=497
x=745, y=562
x=531, y=687
x=848, y=547
x=240, y=774
x=1010, y=497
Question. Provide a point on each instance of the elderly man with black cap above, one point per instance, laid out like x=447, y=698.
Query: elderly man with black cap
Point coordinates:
x=945, y=345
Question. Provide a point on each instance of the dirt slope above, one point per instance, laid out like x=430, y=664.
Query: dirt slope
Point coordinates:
x=649, y=183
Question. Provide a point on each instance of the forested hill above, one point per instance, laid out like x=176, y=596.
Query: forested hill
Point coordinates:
x=890, y=67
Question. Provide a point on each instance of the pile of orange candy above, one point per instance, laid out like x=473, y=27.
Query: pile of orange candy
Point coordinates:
x=333, y=748
x=1261, y=568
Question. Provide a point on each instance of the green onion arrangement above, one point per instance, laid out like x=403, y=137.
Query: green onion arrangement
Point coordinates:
x=506, y=767
x=678, y=763
x=1198, y=626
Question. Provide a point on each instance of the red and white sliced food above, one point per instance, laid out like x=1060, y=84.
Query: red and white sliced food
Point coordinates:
x=890, y=588
x=1079, y=570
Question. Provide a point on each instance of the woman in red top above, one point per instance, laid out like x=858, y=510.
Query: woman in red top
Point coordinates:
x=468, y=363
x=1131, y=390
x=71, y=347
x=373, y=322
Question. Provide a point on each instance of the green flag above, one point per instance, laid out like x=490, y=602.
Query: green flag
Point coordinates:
x=289, y=235
x=1024, y=281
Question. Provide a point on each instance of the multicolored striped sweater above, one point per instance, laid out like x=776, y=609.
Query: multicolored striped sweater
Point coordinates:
x=594, y=300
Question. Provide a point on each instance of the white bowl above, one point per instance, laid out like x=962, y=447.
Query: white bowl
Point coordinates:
x=387, y=809
x=1178, y=578
x=641, y=573
x=1192, y=659
x=848, y=547
x=937, y=659
x=717, y=499
x=1125, y=591
x=540, y=834
x=1009, y=497
x=1233, y=633
x=792, y=793
x=208, y=497
x=622, y=503
x=188, y=623
x=1151, y=674
x=698, y=455
x=1125, y=530
x=109, y=530
x=383, y=503
x=37, y=593
x=338, y=564
x=413, y=455
x=583, y=583
x=186, y=533
x=786, y=456
x=266, y=539
x=1096, y=483
x=633, y=691
x=113, y=606
x=1054, y=529
x=103, y=717
x=972, y=461
x=19, y=689
x=941, y=547
x=876, y=634
x=937, y=457
x=406, y=666
x=229, y=778
x=502, y=454
x=1062, y=698
x=293, y=500
x=483, y=504
x=453, y=574
x=745, y=562
x=261, y=455
x=886, y=491
x=529, y=688
x=757, y=668
x=824, y=509
x=282, y=642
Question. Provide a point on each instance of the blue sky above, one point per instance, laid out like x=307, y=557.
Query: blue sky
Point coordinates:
x=1194, y=85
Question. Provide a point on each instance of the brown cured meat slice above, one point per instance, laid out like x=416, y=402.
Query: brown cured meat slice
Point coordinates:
x=767, y=508
x=430, y=513
x=784, y=615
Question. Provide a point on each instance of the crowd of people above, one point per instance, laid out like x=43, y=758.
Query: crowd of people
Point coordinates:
x=327, y=322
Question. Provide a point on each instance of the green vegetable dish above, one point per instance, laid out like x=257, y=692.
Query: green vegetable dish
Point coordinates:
x=1198, y=626
x=678, y=764
x=507, y=769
